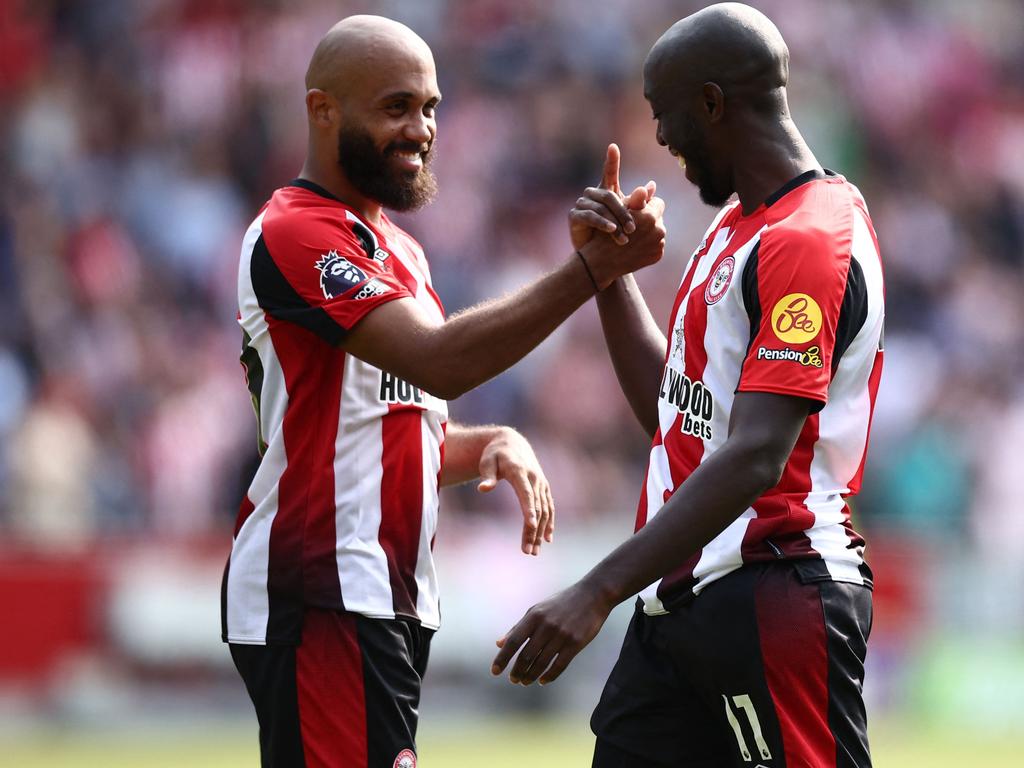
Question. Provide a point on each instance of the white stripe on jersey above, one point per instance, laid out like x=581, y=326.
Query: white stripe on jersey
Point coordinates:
x=844, y=422
x=248, y=603
x=426, y=574
x=362, y=564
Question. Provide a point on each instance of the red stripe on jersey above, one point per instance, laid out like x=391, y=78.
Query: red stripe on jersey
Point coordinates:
x=777, y=511
x=401, y=502
x=794, y=652
x=641, y=508
x=332, y=698
x=681, y=580
x=320, y=542
x=245, y=509
x=306, y=487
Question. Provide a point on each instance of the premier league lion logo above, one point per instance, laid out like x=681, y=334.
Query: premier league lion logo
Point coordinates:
x=338, y=274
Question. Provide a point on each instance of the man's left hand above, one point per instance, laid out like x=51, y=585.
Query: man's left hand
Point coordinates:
x=509, y=457
x=554, y=632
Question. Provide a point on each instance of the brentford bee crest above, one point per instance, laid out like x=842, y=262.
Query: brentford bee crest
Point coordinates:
x=719, y=282
x=406, y=759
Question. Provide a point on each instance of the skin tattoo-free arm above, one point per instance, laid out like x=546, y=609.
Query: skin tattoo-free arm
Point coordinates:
x=451, y=357
x=493, y=453
x=762, y=432
x=635, y=343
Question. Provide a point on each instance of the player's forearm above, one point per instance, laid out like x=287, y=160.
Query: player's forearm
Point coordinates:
x=636, y=346
x=463, y=447
x=715, y=495
x=479, y=343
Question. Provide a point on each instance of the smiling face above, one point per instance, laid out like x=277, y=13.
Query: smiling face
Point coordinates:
x=387, y=131
x=686, y=127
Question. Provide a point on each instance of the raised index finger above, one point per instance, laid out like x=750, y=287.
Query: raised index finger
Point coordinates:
x=610, y=177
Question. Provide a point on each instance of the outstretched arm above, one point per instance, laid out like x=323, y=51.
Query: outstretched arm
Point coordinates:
x=451, y=357
x=635, y=343
x=763, y=430
x=494, y=453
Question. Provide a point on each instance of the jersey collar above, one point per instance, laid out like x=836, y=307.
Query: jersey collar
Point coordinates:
x=314, y=188
x=789, y=186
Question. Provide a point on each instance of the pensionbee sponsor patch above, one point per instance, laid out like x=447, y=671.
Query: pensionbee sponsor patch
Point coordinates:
x=811, y=357
x=796, y=318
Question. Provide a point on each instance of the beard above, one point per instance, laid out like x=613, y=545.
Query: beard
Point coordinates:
x=370, y=172
x=711, y=193
x=714, y=190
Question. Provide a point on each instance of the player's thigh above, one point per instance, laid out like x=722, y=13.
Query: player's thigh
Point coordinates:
x=649, y=715
x=269, y=675
x=782, y=660
x=358, y=685
x=394, y=659
x=345, y=697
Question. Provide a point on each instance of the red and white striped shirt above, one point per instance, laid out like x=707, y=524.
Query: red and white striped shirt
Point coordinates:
x=343, y=508
x=788, y=299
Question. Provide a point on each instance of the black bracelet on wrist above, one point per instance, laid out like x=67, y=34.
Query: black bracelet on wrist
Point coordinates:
x=589, y=273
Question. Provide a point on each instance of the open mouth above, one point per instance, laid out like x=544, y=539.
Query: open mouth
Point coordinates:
x=676, y=154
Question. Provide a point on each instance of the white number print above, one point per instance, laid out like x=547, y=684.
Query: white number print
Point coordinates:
x=743, y=702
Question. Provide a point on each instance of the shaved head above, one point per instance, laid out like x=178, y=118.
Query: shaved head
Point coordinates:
x=714, y=80
x=730, y=44
x=358, y=46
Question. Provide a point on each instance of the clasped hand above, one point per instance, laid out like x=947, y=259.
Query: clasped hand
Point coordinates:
x=633, y=221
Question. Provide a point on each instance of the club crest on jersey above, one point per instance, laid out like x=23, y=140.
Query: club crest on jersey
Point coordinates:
x=338, y=274
x=719, y=282
x=406, y=759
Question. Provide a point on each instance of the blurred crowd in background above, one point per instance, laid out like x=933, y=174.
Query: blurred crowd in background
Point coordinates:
x=138, y=139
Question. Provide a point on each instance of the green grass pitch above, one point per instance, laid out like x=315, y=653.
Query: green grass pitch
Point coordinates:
x=518, y=742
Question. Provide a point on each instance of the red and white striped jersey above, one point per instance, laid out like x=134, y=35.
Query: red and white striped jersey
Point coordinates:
x=343, y=508
x=788, y=299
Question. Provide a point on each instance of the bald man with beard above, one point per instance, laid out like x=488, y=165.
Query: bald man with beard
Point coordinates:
x=330, y=596
x=748, y=642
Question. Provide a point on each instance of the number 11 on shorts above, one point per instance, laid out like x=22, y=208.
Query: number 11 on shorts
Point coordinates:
x=744, y=703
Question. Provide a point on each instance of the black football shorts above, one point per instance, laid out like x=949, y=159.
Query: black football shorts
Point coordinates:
x=346, y=697
x=763, y=669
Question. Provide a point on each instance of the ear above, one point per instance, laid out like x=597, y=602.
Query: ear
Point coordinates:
x=714, y=101
x=321, y=108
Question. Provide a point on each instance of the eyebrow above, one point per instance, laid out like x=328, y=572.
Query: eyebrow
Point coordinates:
x=408, y=95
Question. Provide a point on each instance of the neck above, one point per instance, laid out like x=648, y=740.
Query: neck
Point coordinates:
x=771, y=155
x=330, y=176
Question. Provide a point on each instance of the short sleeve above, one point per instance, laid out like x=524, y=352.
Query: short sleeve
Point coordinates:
x=323, y=273
x=793, y=288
